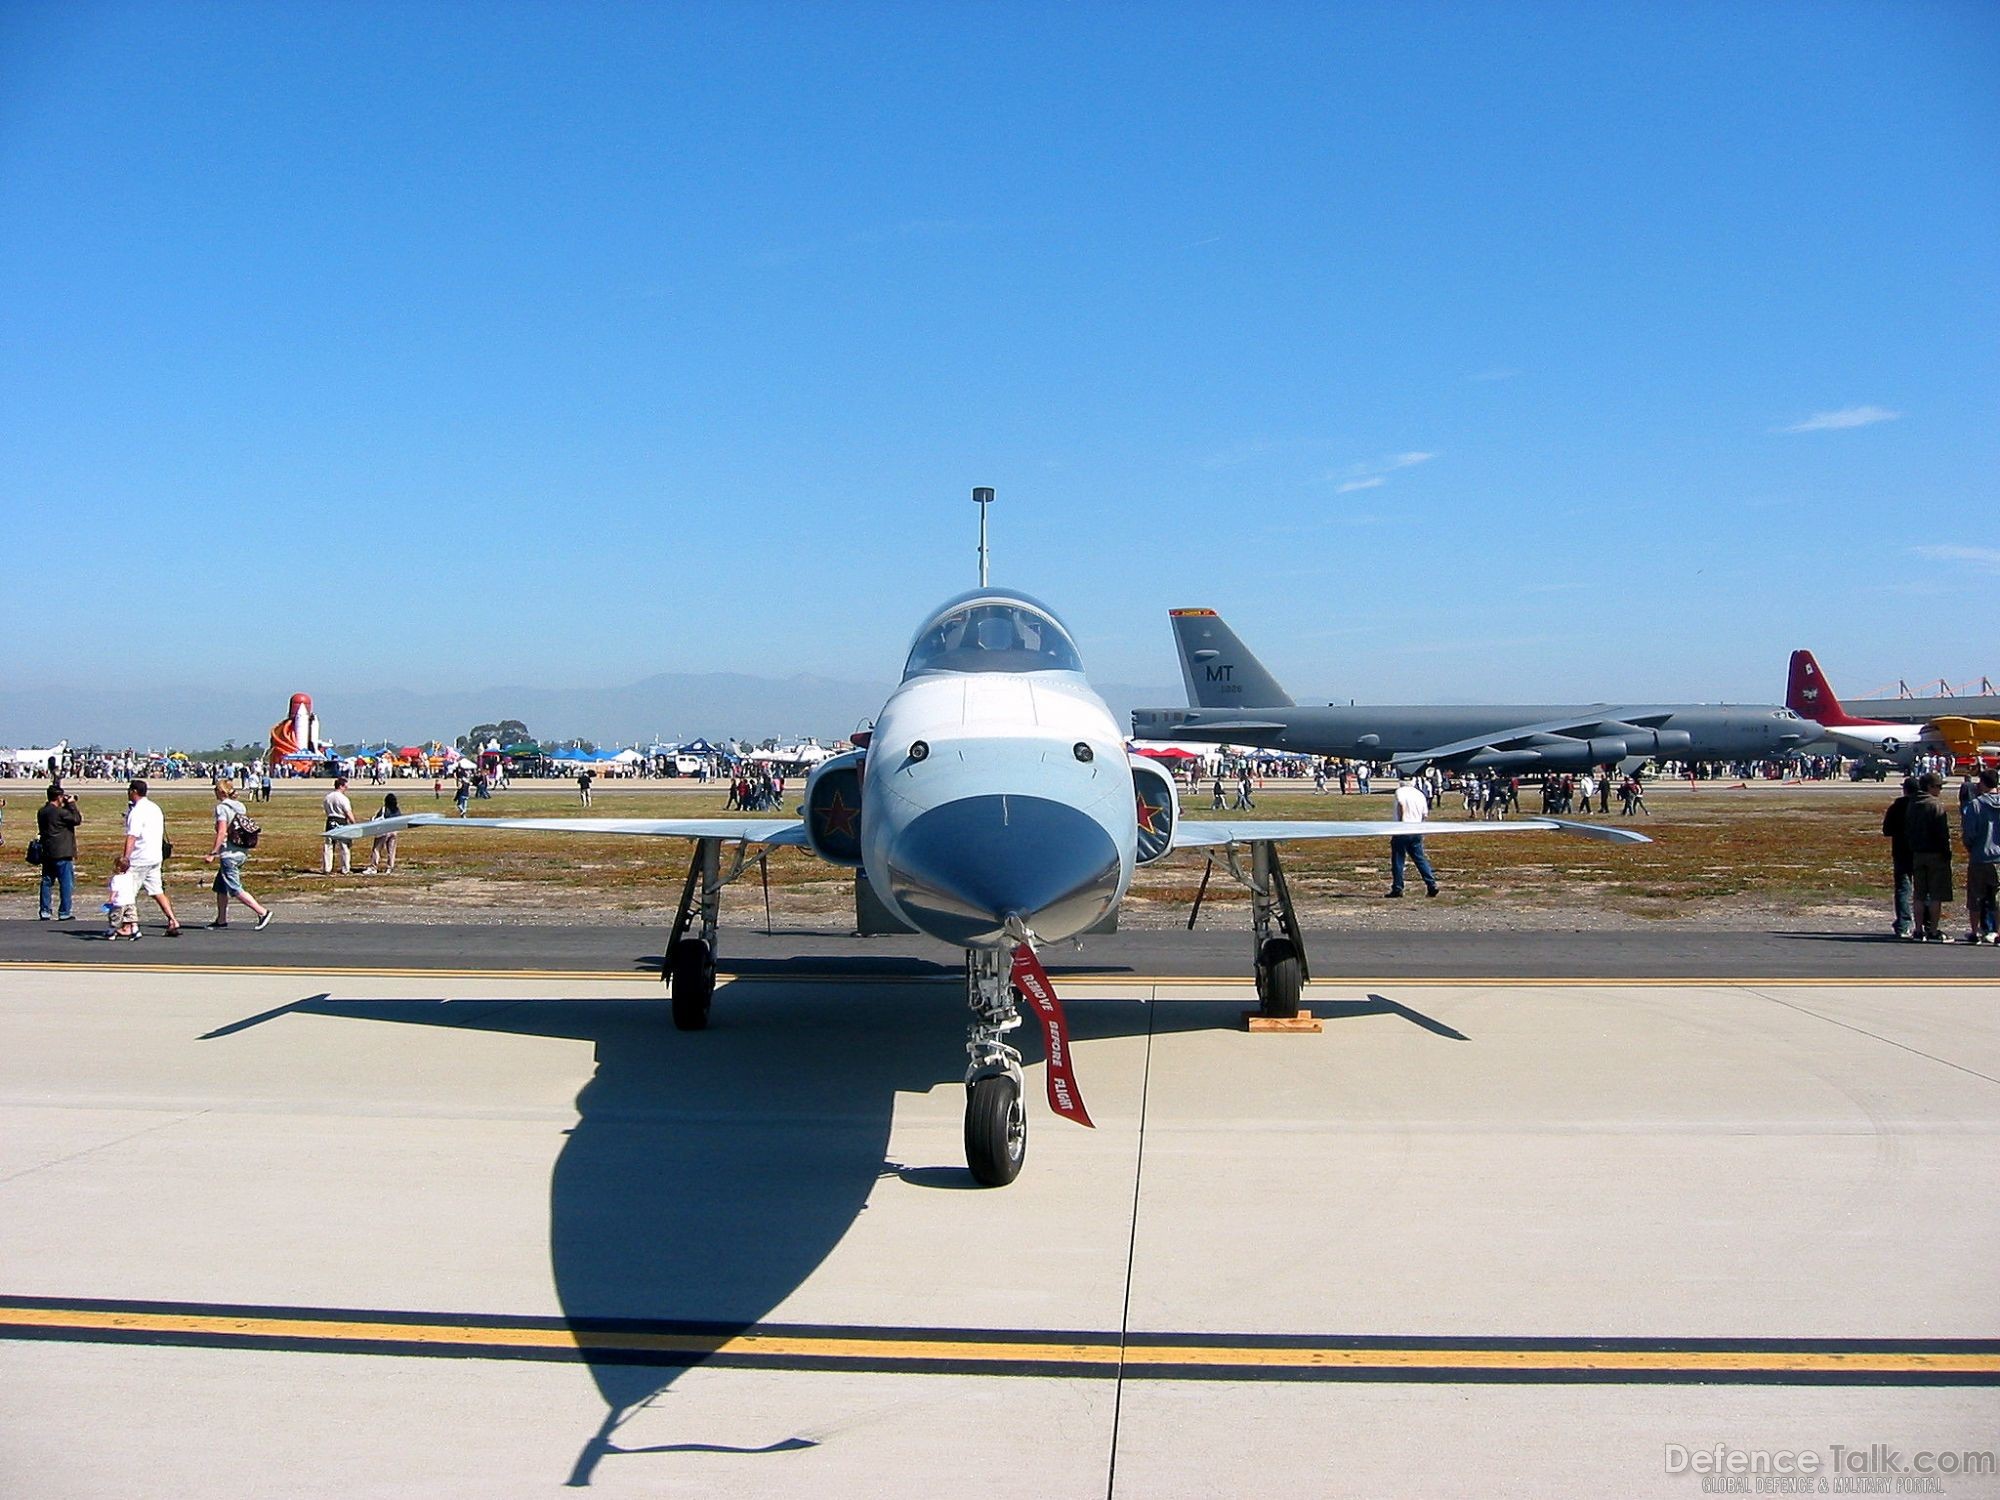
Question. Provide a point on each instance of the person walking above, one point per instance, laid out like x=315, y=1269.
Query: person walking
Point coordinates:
x=339, y=813
x=1215, y=800
x=234, y=835
x=56, y=823
x=1897, y=833
x=382, y=856
x=583, y=786
x=1927, y=829
x=145, y=851
x=1412, y=807
x=1979, y=828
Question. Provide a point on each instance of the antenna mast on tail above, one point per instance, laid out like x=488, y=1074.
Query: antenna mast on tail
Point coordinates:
x=982, y=497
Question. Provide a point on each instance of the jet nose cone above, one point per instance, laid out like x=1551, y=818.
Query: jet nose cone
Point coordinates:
x=960, y=869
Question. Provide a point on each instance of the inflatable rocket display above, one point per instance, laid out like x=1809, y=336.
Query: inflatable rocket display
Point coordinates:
x=298, y=733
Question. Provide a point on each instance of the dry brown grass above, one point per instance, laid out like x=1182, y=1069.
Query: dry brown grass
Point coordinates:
x=1719, y=853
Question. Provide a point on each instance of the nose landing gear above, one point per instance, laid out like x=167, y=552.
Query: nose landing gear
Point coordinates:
x=996, y=1116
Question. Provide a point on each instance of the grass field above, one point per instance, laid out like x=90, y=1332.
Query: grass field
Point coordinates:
x=1722, y=858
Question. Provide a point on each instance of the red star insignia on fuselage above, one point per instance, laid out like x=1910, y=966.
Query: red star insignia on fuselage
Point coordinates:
x=836, y=816
x=1148, y=812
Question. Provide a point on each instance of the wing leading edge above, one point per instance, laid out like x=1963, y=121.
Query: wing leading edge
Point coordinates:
x=789, y=832
x=1208, y=834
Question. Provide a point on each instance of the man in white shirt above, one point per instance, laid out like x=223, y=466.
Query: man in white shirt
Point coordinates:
x=339, y=813
x=1411, y=807
x=146, y=849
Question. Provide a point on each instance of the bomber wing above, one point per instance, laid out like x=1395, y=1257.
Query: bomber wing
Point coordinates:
x=1209, y=833
x=1607, y=722
x=778, y=831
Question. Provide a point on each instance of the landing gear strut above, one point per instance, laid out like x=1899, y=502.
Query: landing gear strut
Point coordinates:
x=1278, y=948
x=690, y=967
x=996, y=1116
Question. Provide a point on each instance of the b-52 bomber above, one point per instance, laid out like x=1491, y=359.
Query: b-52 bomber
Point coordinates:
x=1233, y=700
x=995, y=808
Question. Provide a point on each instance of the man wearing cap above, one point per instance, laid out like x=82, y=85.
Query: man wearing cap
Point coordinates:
x=56, y=823
x=1927, y=826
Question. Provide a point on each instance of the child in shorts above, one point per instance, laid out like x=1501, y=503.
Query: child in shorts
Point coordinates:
x=121, y=910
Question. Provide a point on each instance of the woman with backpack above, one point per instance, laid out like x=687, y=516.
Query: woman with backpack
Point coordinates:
x=235, y=836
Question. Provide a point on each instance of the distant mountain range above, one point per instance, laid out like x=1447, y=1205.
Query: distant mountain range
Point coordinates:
x=671, y=706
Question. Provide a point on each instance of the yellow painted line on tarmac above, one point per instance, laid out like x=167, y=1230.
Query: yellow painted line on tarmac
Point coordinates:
x=1001, y=1351
x=532, y=1337
x=1677, y=1361
x=1101, y=976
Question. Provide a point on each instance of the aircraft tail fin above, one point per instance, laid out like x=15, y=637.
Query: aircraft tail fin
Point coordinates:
x=1219, y=670
x=1810, y=696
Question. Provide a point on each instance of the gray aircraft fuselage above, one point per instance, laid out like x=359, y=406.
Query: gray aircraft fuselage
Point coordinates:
x=1384, y=731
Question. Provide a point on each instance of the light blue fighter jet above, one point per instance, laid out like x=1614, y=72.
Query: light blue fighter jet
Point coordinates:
x=993, y=807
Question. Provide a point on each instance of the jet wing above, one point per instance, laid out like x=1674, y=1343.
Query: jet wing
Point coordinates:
x=1208, y=833
x=1519, y=736
x=779, y=831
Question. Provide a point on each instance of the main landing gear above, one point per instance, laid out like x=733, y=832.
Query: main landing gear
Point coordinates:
x=1278, y=947
x=689, y=970
x=996, y=1116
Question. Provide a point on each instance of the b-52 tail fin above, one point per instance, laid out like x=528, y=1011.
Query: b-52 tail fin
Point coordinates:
x=1219, y=670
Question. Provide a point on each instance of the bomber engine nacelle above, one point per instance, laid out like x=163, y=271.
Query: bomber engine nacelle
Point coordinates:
x=1555, y=753
x=833, y=809
x=1159, y=808
x=1668, y=744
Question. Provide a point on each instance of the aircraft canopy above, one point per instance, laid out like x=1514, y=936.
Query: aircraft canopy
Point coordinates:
x=992, y=630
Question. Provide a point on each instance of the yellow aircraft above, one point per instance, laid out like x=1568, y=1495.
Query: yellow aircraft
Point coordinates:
x=1975, y=740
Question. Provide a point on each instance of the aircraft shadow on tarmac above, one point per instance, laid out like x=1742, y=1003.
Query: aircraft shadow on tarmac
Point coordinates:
x=708, y=1175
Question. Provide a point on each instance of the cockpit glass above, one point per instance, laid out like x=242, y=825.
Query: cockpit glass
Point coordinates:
x=993, y=635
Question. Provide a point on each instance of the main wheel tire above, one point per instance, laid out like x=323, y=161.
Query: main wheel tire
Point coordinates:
x=996, y=1130
x=1280, y=978
x=691, y=971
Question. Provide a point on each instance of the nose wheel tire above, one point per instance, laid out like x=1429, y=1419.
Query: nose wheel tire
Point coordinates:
x=1280, y=977
x=691, y=970
x=996, y=1130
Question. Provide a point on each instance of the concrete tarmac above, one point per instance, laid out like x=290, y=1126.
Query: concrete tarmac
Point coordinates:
x=311, y=1233
x=1220, y=950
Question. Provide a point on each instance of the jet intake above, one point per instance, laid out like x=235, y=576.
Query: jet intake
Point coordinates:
x=1159, y=808
x=833, y=809
x=1607, y=750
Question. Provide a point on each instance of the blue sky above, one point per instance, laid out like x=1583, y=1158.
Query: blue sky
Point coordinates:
x=1452, y=351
